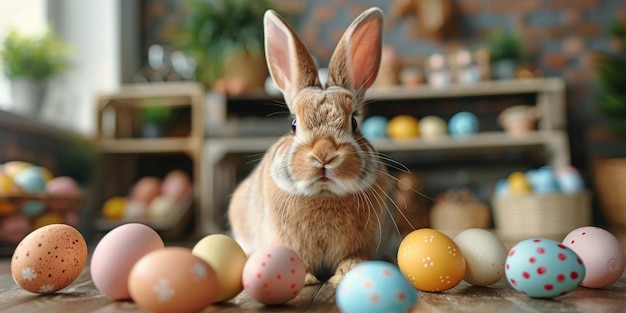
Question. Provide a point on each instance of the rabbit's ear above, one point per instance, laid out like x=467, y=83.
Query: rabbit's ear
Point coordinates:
x=355, y=62
x=288, y=60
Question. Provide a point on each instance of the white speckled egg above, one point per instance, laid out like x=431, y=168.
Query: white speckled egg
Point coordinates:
x=116, y=254
x=49, y=259
x=601, y=253
x=543, y=268
x=227, y=259
x=172, y=280
x=375, y=286
x=484, y=256
x=273, y=275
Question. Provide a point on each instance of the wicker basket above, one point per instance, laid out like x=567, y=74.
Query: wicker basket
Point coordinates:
x=610, y=175
x=550, y=216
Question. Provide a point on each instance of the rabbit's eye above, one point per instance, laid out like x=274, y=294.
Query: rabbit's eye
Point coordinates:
x=355, y=125
x=293, y=125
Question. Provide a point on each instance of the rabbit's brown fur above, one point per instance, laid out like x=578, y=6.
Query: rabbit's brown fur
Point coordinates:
x=320, y=190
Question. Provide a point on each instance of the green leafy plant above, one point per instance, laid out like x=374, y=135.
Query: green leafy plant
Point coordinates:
x=155, y=111
x=504, y=45
x=611, y=70
x=36, y=57
x=218, y=28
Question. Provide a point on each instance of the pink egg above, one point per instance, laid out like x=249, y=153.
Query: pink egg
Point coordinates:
x=116, y=254
x=146, y=189
x=64, y=193
x=177, y=186
x=273, y=275
x=14, y=228
x=602, y=255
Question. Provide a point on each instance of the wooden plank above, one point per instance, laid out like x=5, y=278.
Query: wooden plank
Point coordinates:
x=143, y=145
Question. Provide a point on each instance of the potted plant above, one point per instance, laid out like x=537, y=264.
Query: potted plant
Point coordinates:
x=226, y=39
x=30, y=61
x=155, y=116
x=611, y=103
x=506, y=51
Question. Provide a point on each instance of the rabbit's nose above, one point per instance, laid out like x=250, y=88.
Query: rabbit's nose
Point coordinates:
x=324, y=152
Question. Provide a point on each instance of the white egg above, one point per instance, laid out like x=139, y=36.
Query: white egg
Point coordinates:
x=485, y=256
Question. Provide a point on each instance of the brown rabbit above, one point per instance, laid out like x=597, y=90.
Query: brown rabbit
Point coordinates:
x=320, y=190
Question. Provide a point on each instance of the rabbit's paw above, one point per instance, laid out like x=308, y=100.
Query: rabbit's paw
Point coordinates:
x=310, y=279
x=342, y=269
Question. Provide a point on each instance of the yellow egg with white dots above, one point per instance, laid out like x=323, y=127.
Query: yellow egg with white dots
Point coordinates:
x=431, y=260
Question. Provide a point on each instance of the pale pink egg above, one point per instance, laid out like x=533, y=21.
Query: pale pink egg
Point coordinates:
x=177, y=186
x=601, y=253
x=64, y=193
x=116, y=254
x=273, y=275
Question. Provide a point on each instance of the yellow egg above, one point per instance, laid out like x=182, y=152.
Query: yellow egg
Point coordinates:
x=227, y=258
x=518, y=185
x=431, y=260
x=403, y=127
x=8, y=186
x=114, y=207
x=47, y=219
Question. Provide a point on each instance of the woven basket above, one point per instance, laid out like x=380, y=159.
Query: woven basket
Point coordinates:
x=610, y=176
x=550, y=216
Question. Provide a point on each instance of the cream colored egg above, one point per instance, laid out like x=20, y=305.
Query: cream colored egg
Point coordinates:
x=432, y=127
x=485, y=256
x=227, y=258
x=49, y=259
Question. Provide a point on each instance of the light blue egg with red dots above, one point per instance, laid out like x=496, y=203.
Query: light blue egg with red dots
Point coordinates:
x=375, y=286
x=543, y=268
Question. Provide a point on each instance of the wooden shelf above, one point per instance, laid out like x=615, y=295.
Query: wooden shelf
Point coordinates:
x=142, y=145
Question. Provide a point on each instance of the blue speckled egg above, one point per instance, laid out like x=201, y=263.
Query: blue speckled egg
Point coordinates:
x=543, y=268
x=463, y=124
x=375, y=286
x=374, y=127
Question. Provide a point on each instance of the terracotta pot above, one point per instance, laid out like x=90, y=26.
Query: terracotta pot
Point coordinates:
x=241, y=73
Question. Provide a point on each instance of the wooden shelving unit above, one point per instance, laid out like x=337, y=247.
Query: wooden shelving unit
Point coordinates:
x=550, y=138
x=117, y=134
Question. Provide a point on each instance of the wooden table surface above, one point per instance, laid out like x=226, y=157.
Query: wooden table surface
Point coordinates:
x=82, y=296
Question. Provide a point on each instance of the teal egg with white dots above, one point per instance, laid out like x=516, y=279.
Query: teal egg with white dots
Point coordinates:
x=375, y=286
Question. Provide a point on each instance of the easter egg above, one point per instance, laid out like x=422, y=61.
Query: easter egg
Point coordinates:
x=162, y=208
x=172, y=279
x=273, y=275
x=431, y=260
x=502, y=188
x=177, y=186
x=11, y=168
x=47, y=219
x=63, y=192
x=602, y=255
x=403, y=127
x=49, y=259
x=14, y=228
x=484, y=256
x=31, y=180
x=543, y=268
x=542, y=180
x=8, y=186
x=463, y=124
x=114, y=207
x=375, y=286
x=32, y=207
x=227, y=259
x=569, y=180
x=116, y=254
x=432, y=127
x=518, y=185
x=374, y=127
x=146, y=189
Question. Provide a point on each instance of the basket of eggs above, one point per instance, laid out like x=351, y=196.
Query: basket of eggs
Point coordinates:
x=541, y=202
x=31, y=197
